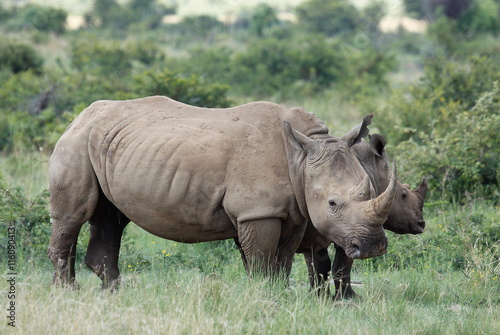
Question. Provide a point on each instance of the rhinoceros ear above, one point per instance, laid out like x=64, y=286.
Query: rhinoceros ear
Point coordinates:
x=377, y=144
x=355, y=135
x=297, y=139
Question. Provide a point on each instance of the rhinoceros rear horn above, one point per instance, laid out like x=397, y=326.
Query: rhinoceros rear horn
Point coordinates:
x=378, y=208
x=362, y=191
x=422, y=188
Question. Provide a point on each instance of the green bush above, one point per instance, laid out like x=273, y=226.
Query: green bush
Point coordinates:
x=18, y=57
x=329, y=17
x=191, y=90
x=446, y=89
x=481, y=17
x=268, y=66
x=31, y=220
x=263, y=18
x=44, y=18
x=100, y=57
x=309, y=65
x=203, y=27
x=459, y=158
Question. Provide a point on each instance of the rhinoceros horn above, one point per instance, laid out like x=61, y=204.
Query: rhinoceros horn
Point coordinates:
x=422, y=189
x=362, y=191
x=378, y=208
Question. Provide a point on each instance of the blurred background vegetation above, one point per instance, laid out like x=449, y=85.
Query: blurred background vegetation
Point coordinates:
x=431, y=79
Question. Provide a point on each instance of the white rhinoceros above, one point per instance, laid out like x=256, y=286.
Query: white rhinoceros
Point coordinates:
x=194, y=174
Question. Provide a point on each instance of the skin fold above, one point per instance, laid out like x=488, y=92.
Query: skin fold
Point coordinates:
x=193, y=174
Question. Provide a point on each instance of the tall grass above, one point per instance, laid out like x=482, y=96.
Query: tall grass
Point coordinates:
x=179, y=300
x=27, y=170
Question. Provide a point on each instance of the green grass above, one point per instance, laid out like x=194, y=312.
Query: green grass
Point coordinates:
x=27, y=170
x=177, y=300
x=445, y=281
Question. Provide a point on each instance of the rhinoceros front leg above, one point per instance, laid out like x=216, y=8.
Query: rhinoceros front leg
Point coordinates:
x=319, y=266
x=342, y=274
x=258, y=241
x=106, y=229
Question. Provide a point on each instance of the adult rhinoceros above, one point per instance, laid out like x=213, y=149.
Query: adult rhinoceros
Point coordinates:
x=194, y=174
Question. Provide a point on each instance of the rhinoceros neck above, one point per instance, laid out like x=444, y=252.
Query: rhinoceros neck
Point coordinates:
x=296, y=174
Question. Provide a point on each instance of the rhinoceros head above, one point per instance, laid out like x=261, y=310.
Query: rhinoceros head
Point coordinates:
x=335, y=193
x=405, y=216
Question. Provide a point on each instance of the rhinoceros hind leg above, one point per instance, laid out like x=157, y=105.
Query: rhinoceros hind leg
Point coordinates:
x=72, y=204
x=62, y=251
x=106, y=229
x=259, y=242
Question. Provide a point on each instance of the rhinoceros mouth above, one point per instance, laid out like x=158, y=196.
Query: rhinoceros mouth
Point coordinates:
x=353, y=252
x=355, y=249
x=418, y=227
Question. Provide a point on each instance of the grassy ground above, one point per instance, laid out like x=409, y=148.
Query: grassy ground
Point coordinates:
x=177, y=300
x=445, y=281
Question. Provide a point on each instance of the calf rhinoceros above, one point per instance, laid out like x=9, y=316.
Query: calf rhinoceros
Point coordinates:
x=194, y=174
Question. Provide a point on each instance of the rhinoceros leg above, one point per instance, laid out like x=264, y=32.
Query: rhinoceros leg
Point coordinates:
x=259, y=242
x=342, y=274
x=62, y=250
x=243, y=257
x=287, y=247
x=73, y=200
x=318, y=265
x=106, y=229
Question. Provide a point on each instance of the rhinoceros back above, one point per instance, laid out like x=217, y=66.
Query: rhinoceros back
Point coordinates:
x=160, y=161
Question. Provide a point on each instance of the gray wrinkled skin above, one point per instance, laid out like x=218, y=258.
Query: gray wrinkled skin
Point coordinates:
x=194, y=174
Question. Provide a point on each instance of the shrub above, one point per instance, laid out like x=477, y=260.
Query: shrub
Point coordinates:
x=446, y=89
x=329, y=17
x=147, y=53
x=268, y=66
x=462, y=157
x=191, y=90
x=100, y=57
x=31, y=220
x=213, y=64
x=263, y=17
x=482, y=17
x=19, y=57
x=44, y=18
x=200, y=27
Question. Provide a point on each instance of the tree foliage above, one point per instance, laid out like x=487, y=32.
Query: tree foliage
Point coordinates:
x=461, y=157
x=19, y=57
x=330, y=17
x=263, y=17
x=44, y=18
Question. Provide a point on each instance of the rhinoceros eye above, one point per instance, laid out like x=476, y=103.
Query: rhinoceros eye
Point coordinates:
x=332, y=203
x=404, y=195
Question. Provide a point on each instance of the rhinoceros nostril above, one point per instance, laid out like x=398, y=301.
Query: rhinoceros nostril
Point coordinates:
x=353, y=249
x=421, y=223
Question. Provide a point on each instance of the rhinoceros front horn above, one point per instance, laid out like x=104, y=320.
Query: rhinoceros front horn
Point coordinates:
x=379, y=207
